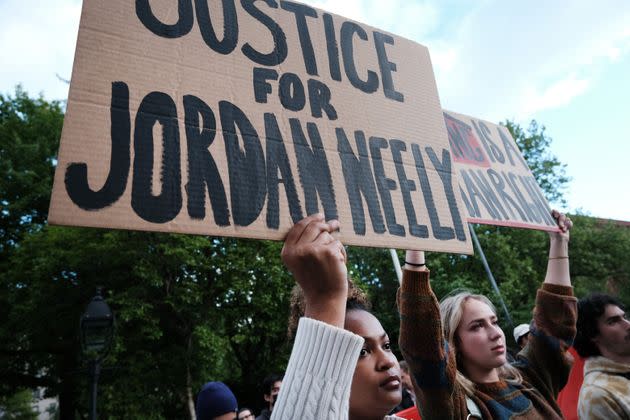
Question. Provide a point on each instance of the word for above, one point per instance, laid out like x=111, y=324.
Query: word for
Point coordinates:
x=256, y=169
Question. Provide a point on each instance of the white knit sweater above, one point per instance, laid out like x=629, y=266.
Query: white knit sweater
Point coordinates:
x=317, y=381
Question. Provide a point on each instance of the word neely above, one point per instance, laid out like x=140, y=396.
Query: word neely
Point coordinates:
x=255, y=174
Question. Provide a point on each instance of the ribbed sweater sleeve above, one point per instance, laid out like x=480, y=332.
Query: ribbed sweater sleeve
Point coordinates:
x=423, y=346
x=317, y=381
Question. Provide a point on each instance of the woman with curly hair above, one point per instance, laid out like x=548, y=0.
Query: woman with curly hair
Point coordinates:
x=342, y=365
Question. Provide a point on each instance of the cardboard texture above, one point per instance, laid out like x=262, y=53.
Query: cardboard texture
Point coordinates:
x=240, y=118
x=496, y=184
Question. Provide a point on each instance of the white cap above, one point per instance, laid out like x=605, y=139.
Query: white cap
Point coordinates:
x=520, y=331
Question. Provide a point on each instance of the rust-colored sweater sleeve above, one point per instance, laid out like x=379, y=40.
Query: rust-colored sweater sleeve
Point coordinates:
x=424, y=348
x=544, y=362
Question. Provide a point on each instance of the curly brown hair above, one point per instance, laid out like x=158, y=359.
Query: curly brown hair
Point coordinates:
x=357, y=300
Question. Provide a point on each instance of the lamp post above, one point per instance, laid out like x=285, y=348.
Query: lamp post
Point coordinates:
x=97, y=331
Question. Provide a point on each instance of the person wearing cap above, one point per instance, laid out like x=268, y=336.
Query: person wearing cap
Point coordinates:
x=216, y=401
x=521, y=335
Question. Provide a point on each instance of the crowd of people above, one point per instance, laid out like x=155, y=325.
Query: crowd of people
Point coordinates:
x=456, y=356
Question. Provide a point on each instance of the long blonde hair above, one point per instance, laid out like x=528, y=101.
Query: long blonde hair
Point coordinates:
x=451, y=311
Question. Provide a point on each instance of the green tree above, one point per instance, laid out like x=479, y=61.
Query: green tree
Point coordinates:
x=190, y=309
x=18, y=406
x=29, y=140
x=599, y=261
x=546, y=168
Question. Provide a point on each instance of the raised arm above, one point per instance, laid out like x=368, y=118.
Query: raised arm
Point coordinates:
x=324, y=356
x=558, y=263
x=422, y=342
x=543, y=361
x=318, y=262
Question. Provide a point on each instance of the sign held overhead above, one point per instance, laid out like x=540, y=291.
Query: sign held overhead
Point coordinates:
x=496, y=184
x=240, y=118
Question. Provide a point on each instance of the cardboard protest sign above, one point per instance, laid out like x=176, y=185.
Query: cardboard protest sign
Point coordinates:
x=496, y=184
x=240, y=118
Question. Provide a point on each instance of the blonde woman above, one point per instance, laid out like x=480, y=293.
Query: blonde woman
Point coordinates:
x=457, y=351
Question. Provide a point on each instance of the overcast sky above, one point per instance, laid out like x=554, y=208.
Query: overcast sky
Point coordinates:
x=565, y=64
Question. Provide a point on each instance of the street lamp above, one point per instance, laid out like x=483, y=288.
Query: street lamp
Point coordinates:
x=97, y=331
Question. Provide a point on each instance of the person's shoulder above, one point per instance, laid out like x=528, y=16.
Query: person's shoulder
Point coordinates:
x=598, y=374
x=595, y=392
x=597, y=402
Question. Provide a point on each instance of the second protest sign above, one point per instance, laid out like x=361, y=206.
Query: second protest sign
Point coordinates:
x=495, y=182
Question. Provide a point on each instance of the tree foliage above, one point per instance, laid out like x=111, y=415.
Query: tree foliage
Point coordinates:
x=546, y=168
x=191, y=309
x=29, y=138
x=18, y=406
